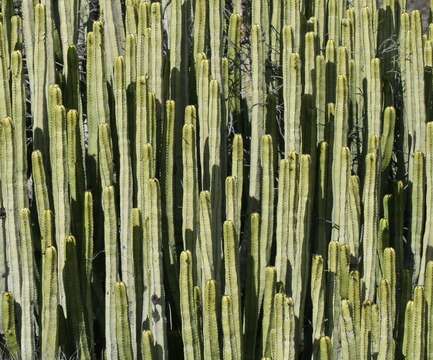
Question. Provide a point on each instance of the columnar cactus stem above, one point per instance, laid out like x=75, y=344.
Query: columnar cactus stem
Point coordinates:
x=130, y=64
x=258, y=112
x=408, y=328
x=427, y=254
x=18, y=116
x=340, y=188
x=417, y=211
x=190, y=191
x=72, y=91
x=200, y=26
x=39, y=105
x=282, y=217
x=292, y=88
x=114, y=33
x=387, y=138
x=230, y=349
x=143, y=38
x=74, y=300
x=16, y=35
x=252, y=291
x=130, y=18
x=293, y=195
x=210, y=321
x=87, y=258
x=234, y=82
x=333, y=307
x=267, y=201
x=208, y=250
x=28, y=9
x=106, y=171
x=348, y=337
x=232, y=204
x=40, y=187
x=310, y=63
x=47, y=235
x=60, y=188
x=370, y=194
x=125, y=176
x=157, y=295
x=320, y=89
x=111, y=266
x=292, y=16
x=147, y=347
x=232, y=288
x=417, y=346
x=302, y=245
x=215, y=171
x=318, y=297
x=325, y=348
x=215, y=30
x=190, y=330
x=68, y=11
x=9, y=324
x=268, y=307
x=428, y=291
x=322, y=228
x=123, y=330
x=417, y=77
x=13, y=250
x=354, y=298
x=76, y=172
x=203, y=111
x=374, y=99
x=168, y=203
x=156, y=59
x=28, y=290
x=284, y=327
x=49, y=315
x=238, y=168
x=386, y=341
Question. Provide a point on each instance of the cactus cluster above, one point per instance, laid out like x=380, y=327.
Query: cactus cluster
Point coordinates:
x=216, y=179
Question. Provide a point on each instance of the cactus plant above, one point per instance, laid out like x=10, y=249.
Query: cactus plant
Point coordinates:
x=291, y=142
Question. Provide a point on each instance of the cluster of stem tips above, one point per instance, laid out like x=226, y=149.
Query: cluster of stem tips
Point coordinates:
x=216, y=179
